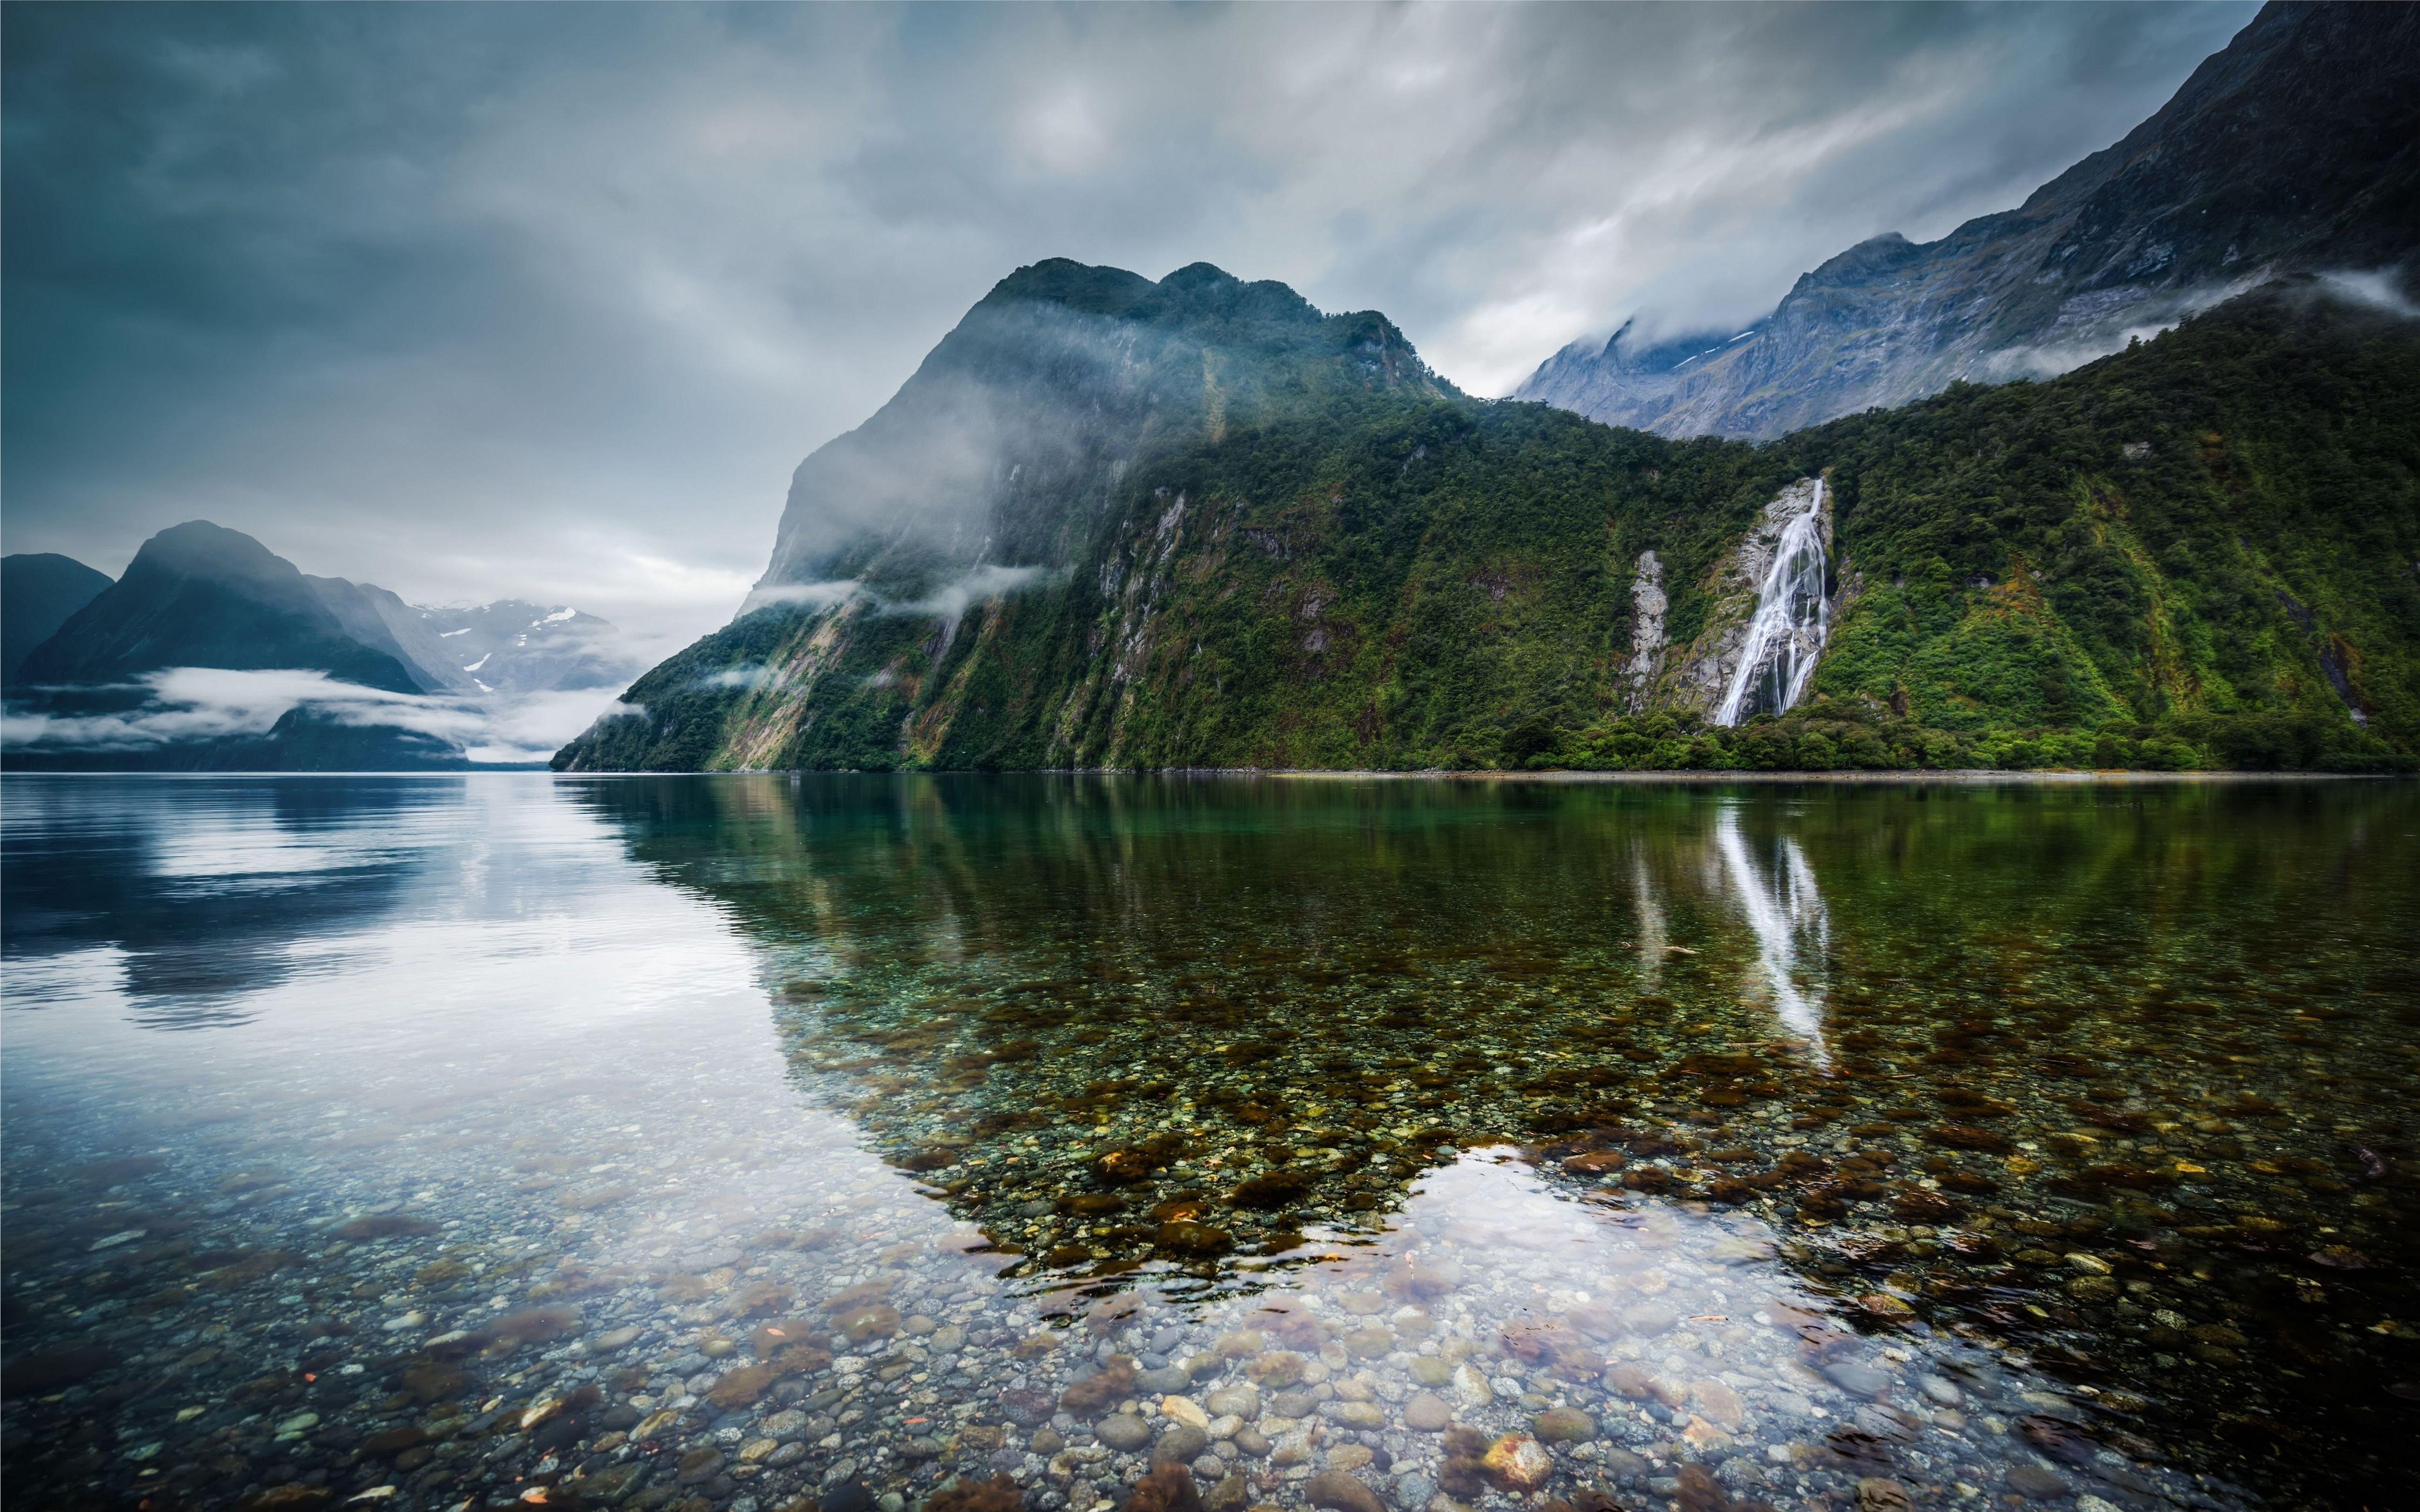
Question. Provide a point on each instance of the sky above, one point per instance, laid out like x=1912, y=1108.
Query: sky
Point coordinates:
x=547, y=301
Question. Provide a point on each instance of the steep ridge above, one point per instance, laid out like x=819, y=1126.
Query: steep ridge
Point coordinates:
x=39, y=590
x=2198, y=551
x=2296, y=148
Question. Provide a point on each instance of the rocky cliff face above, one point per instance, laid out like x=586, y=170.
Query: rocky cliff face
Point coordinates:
x=2297, y=147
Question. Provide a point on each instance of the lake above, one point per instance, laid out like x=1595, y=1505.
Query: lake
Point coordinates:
x=766, y=1141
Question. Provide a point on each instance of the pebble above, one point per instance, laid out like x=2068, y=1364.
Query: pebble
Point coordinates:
x=1470, y=1387
x=1427, y=1413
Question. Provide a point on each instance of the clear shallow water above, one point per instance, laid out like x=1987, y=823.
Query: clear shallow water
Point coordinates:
x=729, y=1141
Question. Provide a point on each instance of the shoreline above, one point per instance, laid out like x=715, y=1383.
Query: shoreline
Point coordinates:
x=1969, y=776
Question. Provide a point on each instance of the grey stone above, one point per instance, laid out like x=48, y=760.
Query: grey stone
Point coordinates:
x=1180, y=1445
x=1858, y=1378
x=1123, y=1431
x=1650, y=1320
x=1239, y=1401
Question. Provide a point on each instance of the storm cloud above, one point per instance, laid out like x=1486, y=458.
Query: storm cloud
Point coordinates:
x=547, y=301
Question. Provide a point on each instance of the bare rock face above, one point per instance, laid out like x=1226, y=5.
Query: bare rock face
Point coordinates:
x=1699, y=676
x=2285, y=151
x=1648, y=603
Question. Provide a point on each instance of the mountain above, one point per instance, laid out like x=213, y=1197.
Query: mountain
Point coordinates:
x=2297, y=147
x=197, y=595
x=513, y=647
x=124, y=680
x=1111, y=523
x=39, y=590
x=509, y=648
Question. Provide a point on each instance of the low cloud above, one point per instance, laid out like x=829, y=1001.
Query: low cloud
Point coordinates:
x=948, y=601
x=980, y=586
x=2089, y=340
x=2379, y=289
x=735, y=678
x=813, y=595
x=185, y=704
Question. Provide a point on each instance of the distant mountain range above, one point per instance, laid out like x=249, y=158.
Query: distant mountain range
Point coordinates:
x=90, y=661
x=2296, y=148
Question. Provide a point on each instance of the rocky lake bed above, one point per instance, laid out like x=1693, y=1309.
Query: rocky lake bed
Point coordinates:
x=831, y=1186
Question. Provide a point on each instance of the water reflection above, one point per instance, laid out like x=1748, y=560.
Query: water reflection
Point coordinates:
x=190, y=892
x=1410, y=1134
x=1185, y=1035
x=1785, y=909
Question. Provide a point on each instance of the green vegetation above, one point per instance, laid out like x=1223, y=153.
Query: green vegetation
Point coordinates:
x=2196, y=553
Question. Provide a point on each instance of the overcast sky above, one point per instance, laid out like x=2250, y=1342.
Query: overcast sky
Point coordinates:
x=546, y=301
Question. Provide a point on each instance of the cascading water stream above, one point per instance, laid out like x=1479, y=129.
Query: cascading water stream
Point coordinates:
x=1786, y=635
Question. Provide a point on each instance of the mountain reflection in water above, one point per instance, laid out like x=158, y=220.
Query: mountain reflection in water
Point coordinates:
x=2044, y=1151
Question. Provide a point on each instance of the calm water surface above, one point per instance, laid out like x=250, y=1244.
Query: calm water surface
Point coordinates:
x=755, y=1142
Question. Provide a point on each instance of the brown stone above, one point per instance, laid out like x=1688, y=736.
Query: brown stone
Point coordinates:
x=997, y=1494
x=760, y=1297
x=741, y=1387
x=1097, y=1392
x=1342, y=1492
x=537, y=1325
x=1699, y=1491
x=1875, y=1494
x=1721, y=1404
x=291, y=1496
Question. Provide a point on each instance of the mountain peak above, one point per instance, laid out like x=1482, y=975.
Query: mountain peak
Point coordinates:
x=1195, y=291
x=2288, y=150
x=1063, y=371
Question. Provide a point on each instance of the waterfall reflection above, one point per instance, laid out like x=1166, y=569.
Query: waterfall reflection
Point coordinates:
x=1655, y=937
x=1784, y=910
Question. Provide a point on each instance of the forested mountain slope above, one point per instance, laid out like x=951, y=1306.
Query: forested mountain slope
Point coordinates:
x=1274, y=540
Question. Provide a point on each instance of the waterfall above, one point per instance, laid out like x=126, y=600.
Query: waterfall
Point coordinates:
x=1786, y=635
